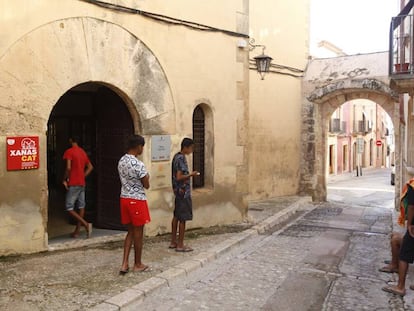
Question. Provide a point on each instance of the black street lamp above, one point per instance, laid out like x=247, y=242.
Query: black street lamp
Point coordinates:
x=263, y=64
x=262, y=61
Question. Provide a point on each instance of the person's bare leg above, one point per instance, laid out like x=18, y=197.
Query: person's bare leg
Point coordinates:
x=174, y=225
x=78, y=224
x=402, y=274
x=138, y=241
x=127, y=248
x=399, y=289
x=79, y=219
x=181, y=232
x=396, y=241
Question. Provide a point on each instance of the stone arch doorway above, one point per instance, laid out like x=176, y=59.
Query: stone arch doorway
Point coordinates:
x=37, y=70
x=320, y=104
x=100, y=118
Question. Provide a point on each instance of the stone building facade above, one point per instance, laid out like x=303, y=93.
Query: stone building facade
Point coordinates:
x=104, y=70
x=361, y=122
x=401, y=71
x=75, y=67
x=275, y=102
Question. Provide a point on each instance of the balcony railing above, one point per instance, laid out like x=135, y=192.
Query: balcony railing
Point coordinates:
x=360, y=127
x=335, y=125
x=343, y=126
x=401, y=53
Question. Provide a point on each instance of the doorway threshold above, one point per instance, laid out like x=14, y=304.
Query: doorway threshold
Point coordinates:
x=99, y=236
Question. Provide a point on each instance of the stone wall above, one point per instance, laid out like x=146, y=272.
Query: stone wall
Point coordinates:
x=275, y=102
x=161, y=71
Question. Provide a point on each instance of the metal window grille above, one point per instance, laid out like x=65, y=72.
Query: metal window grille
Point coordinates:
x=199, y=143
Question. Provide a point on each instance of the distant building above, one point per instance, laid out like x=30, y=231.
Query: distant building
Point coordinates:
x=401, y=72
x=359, y=122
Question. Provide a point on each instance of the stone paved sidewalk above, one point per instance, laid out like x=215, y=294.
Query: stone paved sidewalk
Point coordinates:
x=84, y=273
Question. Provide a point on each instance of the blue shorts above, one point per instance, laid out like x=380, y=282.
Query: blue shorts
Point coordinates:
x=75, y=197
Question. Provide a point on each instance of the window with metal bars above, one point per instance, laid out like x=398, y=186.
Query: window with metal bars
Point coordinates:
x=199, y=130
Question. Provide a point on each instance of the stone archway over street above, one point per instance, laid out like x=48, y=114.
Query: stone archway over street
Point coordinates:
x=327, y=85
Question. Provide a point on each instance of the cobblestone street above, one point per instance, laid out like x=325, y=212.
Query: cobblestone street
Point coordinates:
x=327, y=260
x=318, y=257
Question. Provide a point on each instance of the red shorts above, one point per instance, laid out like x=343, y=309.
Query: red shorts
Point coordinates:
x=135, y=212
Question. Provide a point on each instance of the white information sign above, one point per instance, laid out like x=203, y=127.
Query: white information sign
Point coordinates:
x=160, y=147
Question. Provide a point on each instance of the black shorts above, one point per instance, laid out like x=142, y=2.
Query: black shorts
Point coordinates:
x=183, y=210
x=407, y=248
x=410, y=195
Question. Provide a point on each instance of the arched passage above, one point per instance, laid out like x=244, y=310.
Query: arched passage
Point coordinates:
x=100, y=119
x=317, y=109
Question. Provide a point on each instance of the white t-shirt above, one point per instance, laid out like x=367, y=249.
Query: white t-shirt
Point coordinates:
x=131, y=170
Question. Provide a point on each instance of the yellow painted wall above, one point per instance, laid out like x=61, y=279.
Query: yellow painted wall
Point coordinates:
x=50, y=46
x=275, y=103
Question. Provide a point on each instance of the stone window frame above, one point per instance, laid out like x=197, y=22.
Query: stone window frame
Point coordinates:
x=208, y=171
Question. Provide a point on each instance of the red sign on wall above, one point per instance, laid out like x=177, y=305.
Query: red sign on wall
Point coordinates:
x=22, y=153
x=379, y=143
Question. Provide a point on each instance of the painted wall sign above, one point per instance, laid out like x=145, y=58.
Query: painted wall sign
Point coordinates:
x=160, y=147
x=22, y=153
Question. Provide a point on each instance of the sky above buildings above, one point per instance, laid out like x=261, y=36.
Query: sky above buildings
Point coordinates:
x=355, y=26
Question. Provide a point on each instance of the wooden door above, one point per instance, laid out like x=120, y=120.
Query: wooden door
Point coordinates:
x=114, y=126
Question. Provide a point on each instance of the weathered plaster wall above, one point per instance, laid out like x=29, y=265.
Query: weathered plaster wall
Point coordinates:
x=275, y=103
x=162, y=72
x=328, y=84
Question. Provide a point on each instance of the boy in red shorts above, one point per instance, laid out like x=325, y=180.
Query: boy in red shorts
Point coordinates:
x=134, y=209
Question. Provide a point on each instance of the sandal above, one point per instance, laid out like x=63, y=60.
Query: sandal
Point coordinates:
x=123, y=272
x=393, y=290
x=74, y=235
x=145, y=268
x=388, y=269
x=184, y=250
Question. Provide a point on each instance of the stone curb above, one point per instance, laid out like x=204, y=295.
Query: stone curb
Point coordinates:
x=279, y=217
x=150, y=285
x=86, y=242
x=131, y=298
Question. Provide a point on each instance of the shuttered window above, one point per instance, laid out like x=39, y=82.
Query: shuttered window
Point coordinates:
x=199, y=129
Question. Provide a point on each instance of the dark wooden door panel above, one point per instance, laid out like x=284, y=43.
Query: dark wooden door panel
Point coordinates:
x=114, y=126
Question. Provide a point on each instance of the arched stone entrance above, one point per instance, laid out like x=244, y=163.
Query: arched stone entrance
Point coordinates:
x=101, y=120
x=318, y=106
x=35, y=72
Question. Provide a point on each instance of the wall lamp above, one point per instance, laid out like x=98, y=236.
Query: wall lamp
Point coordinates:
x=262, y=61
